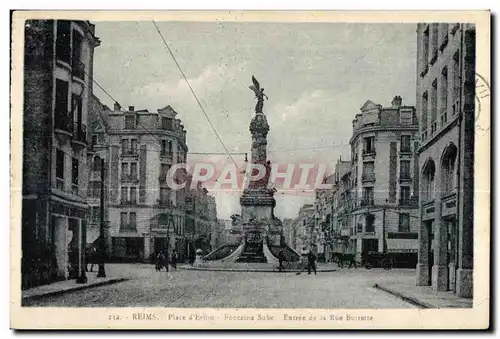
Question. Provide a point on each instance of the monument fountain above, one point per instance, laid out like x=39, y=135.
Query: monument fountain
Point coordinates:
x=257, y=234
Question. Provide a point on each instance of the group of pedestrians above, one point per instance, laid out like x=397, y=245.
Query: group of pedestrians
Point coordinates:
x=308, y=261
x=164, y=260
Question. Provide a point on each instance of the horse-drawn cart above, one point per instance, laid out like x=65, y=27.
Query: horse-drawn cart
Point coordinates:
x=377, y=259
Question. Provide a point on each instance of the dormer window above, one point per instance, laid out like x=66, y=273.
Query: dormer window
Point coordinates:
x=166, y=123
x=129, y=122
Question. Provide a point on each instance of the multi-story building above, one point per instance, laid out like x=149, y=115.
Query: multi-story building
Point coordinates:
x=323, y=219
x=302, y=226
x=146, y=215
x=57, y=87
x=98, y=151
x=289, y=231
x=384, y=178
x=341, y=208
x=445, y=105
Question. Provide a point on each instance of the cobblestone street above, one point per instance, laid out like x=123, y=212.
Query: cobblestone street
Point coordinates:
x=146, y=288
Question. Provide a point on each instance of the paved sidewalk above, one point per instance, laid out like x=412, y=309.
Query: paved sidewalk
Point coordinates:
x=67, y=286
x=422, y=296
x=254, y=267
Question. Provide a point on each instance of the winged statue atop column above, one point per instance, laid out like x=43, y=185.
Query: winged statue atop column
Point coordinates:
x=259, y=94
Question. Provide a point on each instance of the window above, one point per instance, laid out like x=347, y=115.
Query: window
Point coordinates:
x=124, y=197
x=124, y=170
x=405, y=143
x=369, y=145
x=368, y=196
x=425, y=51
x=444, y=96
x=60, y=170
x=63, y=42
x=133, y=195
x=125, y=144
x=129, y=121
x=404, y=222
x=163, y=148
x=166, y=123
x=123, y=219
x=94, y=140
x=406, y=117
x=164, y=168
x=424, y=120
x=370, y=221
x=62, y=118
x=132, y=219
x=74, y=172
x=96, y=164
x=78, y=67
x=95, y=189
x=76, y=108
x=368, y=171
x=434, y=102
x=133, y=146
x=95, y=213
x=434, y=43
x=404, y=169
x=456, y=83
x=164, y=195
x=405, y=195
x=133, y=170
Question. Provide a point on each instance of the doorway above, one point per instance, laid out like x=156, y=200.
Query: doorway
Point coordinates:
x=429, y=226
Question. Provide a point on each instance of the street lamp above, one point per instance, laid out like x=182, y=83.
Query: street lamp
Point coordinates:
x=102, y=243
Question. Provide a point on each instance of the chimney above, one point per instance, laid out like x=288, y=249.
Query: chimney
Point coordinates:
x=396, y=102
x=131, y=108
x=117, y=106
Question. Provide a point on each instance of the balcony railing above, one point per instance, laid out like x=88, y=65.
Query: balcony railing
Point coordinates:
x=366, y=202
x=80, y=132
x=128, y=202
x=368, y=177
x=405, y=149
x=404, y=176
x=64, y=122
x=424, y=134
x=60, y=183
x=129, y=152
x=433, y=127
x=369, y=152
x=129, y=178
x=167, y=155
x=78, y=69
x=444, y=117
x=406, y=202
x=131, y=227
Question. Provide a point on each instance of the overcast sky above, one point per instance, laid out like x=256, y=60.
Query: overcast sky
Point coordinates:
x=316, y=75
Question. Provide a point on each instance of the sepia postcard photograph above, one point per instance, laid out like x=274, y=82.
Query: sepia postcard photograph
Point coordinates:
x=250, y=170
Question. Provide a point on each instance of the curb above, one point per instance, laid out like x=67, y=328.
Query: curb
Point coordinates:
x=73, y=289
x=410, y=300
x=246, y=270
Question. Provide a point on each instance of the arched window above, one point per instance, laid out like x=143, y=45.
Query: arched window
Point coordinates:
x=448, y=176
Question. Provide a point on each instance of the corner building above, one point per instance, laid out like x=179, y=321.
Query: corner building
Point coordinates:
x=383, y=178
x=145, y=214
x=445, y=105
x=57, y=88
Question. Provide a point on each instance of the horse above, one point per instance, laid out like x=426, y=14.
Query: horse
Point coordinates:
x=340, y=258
x=161, y=261
x=91, y=257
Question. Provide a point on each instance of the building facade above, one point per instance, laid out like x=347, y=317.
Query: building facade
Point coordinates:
x=302, y=226
x=57, y=87
x=384, y=179
x=145, y=214
x=445, y=105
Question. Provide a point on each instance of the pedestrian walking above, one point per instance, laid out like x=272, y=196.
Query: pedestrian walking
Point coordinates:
x=281, y=259
x=173, y=259
x=311, y=262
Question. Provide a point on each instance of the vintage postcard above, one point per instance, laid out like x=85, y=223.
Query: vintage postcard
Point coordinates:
x=250, y=170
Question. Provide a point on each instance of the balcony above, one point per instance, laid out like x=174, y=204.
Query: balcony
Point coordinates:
x=444, y=117
x=428, y=210
x=408, y=202
x=78, y=69
x=433, y=127
x=128, y=202
x=167, y=156
x=368, y=177
x=131, y=227
x=79, y=134
x=404, y=176
x=424, y=134
x=405, y=150
x=132, y=178
x=165, y=203
x=63, y=124
x=456, y=107
x=60, y=184
x=369, y=153
x=130, y=153
x=366, y=202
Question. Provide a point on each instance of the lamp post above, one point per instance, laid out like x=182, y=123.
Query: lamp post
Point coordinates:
x=102, y=243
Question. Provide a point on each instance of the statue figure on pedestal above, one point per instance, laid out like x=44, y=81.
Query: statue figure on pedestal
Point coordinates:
x=259, y=94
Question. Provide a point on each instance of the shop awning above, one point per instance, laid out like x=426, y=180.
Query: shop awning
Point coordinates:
x=402, y=245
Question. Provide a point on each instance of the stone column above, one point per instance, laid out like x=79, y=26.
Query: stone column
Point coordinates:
x=452, y=241
x=423, y=254
x=147, y=247
x=440, y=267
x=466, y=175
x=61, y=247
